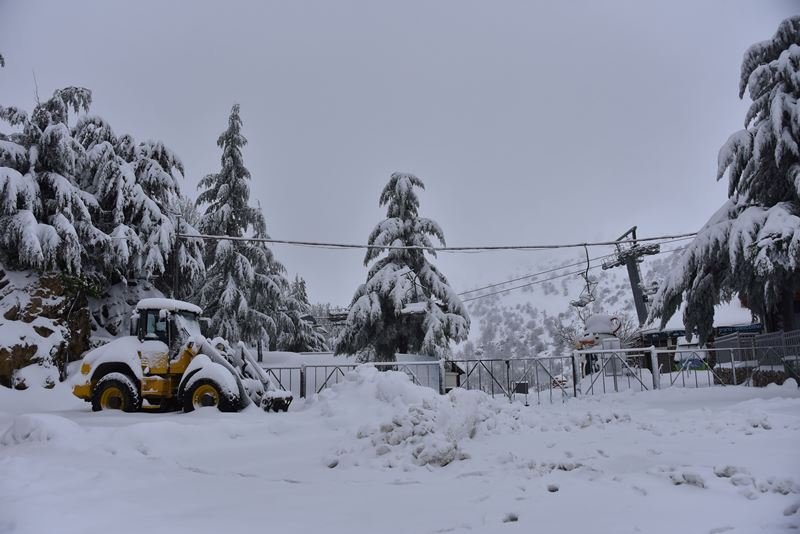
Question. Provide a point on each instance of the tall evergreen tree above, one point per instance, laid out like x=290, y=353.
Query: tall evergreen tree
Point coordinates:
x=79, y=200
x=406, y=304
x=45, y=218
x=244, y=285
x=751, y=245
x=269, y=299
x=136, y=186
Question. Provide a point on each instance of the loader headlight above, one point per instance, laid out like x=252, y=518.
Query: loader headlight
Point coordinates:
x=85, y=368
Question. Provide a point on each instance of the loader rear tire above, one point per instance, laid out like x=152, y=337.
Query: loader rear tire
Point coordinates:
x=116, y=391
x=205, y=393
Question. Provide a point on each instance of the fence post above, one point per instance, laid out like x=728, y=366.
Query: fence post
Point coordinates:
x=655, y=370
x=508, y=379
x=302, y=380
x=441, y=376
x=574, y=373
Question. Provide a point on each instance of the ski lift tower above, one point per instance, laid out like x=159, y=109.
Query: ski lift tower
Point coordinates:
x=631, y=254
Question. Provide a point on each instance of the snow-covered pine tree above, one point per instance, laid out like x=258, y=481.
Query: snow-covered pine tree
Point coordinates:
x=244, y=282
x=305, y=335
x=268, y=297
x=139, y=200
x=300, y=291
x=45, y=218
x=82, y=200
x=751, y=245
x=157, y=171
x=406, y=305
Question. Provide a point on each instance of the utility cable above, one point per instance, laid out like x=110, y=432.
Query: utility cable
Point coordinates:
x=556, y=269
x=481, y=248
x=556, y=277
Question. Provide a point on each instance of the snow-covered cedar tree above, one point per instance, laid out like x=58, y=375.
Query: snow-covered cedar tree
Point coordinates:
x=406, y=305
x=306, y=335
x=751, y=245
x=136, y=187
x=87, y=202
x=244, y=283
x=45, y=218
x=270, y=299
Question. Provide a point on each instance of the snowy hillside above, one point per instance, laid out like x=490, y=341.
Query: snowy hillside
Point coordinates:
x=525, y=322
x=376, y=452
x=528, y=321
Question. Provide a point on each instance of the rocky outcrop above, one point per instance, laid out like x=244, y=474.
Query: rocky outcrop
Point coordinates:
x=45, y=321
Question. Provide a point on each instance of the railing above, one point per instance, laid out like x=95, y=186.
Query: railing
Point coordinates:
x=307, y=380
x=550, y=377
x=582, y=373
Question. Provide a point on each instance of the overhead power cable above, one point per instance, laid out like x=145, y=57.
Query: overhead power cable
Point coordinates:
x=556, y=277
x=432, y=248
x=531, y=275
x=556, y=269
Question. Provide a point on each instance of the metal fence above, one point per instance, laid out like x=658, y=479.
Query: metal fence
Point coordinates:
x=307, y=380
x=742, y=361
x=551, y=378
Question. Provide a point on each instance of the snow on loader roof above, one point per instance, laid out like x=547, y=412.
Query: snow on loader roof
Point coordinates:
x=167, y=304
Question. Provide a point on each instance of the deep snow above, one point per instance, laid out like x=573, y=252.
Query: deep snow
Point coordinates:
x=378, y=454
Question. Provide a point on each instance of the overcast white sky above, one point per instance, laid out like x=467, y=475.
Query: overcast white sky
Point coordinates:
x=529, y=122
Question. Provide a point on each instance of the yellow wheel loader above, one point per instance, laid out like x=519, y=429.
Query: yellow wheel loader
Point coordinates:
x=167, y=364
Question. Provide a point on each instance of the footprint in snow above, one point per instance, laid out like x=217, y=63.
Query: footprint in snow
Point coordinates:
x=784, y=486
x=727, y=471
x=688, y=478
x=510, y=518
x=792, y=509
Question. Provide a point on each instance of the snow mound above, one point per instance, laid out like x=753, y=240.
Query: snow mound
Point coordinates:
x=433, y=433
x=41, y=428
x=415, y=425
x=39, y=374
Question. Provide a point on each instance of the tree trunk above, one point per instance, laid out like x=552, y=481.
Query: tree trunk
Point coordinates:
x=782, y=316
x=787, y=310
x=385, y=353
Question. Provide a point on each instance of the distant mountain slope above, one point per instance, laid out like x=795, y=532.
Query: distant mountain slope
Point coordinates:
x=530, y=321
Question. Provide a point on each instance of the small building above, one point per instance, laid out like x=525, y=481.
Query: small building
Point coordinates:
x=729, y=318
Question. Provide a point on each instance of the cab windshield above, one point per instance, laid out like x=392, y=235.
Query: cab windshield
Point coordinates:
x=187, y=324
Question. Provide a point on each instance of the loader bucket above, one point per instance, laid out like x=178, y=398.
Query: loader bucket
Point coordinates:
x=277, y=401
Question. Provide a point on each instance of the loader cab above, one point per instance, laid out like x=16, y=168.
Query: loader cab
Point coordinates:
x=168, y=321
x=154, y=325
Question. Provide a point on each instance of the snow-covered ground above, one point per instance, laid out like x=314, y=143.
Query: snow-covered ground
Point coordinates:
x=378, y=454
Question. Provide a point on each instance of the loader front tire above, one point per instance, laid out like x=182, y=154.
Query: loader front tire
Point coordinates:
x=116, y=391
x=206, y=393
